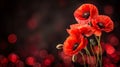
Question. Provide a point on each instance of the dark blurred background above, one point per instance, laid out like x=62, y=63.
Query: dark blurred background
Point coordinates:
x=31, y=29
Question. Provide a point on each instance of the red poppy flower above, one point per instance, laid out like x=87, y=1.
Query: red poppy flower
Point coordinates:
x=85, y=12
x=102, y=23
x=74, y=31
x=73, y=45
x=77, y=29
x=87, y=31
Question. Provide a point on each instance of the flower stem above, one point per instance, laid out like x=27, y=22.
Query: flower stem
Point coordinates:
x=88, y=53
x=83, y=58
x=100, y=49
x=93, y=54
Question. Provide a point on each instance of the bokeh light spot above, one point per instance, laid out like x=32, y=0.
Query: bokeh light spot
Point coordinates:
x=109, y=49
x=113, y=40
x=13, y=57
x=32, y=23
x=12, y=38
x=43, y=54
x=108, y=9
x=47, y=62
x=30, y=60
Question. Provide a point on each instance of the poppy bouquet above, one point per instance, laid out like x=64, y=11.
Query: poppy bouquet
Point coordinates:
x=89, y=23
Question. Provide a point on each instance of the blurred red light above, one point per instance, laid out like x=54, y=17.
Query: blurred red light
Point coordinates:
x=106, y=60
x=91, y=60
x=109, y=49
x=66, y=59
x=20, y=63
x=12, y=38
x=37, y=65
x=43, y=54
x=63, y=56
x=32, y=23
x=113, y=40
x=108, y=9
x=109, y=65
x=115, y=57
x=13, y=57
x=3, y=60
x=51, y=57
x=30, y=60
x=47, y=62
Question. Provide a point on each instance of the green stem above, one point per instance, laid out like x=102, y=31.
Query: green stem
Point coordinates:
x=93, y=54
x=83, y=58
x=100, y=51
x=99, y=59
x=88, y=53
x=97, y=53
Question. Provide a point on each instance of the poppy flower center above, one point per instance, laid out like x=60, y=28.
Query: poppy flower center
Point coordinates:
x=86, y=15
x=100, y=25
x=75, y=46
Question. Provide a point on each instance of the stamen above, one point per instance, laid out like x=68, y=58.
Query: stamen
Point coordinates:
x=86, y=15
x=100, y=25
x=75, y=46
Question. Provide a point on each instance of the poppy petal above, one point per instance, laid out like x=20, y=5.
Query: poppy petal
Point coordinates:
x=77, y=29
x=70, y=43
x=85, y=12
x=102, y=23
